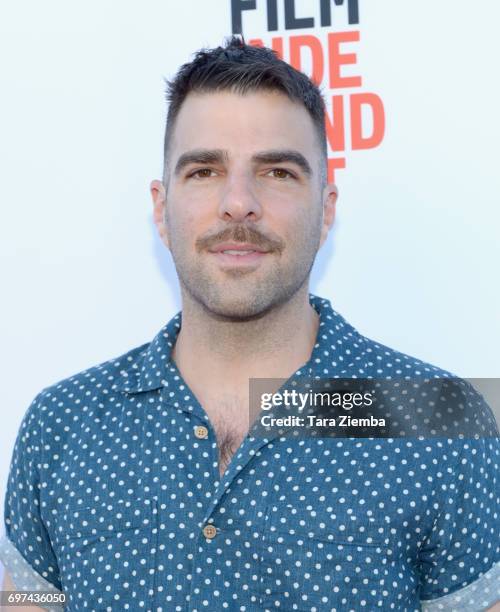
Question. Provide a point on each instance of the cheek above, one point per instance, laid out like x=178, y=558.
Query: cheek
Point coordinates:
x=296, y=222
x=186, y=221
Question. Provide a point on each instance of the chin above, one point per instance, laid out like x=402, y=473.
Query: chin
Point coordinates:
x=237, y=309
x=242, y=299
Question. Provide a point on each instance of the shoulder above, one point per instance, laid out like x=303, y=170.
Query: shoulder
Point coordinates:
x=362, y=356
x=382, y=360
x=100, y=383
x=446, y=395
x=434, y=391
x=377, y=360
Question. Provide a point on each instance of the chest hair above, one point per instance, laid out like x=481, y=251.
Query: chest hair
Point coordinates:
x=230, y=422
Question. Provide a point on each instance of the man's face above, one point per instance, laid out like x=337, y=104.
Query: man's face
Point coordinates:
x=244, y=211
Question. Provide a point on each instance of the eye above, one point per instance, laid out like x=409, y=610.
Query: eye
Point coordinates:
x=202, y=173
x=281, y=173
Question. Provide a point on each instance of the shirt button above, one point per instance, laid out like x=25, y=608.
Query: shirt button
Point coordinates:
x=209, y=531
x=201, y=432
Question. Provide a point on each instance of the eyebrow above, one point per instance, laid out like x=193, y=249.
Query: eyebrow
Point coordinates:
x=283, y=156
x=218, y=156
x=200, y=156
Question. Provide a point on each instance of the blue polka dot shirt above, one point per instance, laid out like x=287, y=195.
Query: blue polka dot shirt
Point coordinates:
x=115, y=498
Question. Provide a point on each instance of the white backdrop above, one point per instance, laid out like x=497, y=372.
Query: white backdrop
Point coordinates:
x=412, y=262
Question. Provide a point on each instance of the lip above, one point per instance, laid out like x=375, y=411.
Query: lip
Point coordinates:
x=237, y=246
x=252, y=258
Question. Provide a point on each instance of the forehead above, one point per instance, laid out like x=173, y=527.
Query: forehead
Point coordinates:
x=243, y=124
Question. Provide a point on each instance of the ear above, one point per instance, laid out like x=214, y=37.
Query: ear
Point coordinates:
x=330, y=195
x=159, y=197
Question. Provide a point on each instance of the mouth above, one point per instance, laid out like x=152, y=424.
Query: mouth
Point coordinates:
x=230, y=254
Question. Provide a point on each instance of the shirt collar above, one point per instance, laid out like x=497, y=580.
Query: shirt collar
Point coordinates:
x=153, y=368
x=336, y=343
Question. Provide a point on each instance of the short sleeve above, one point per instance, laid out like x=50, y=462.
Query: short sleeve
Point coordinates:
x=24, y=526
x=459, y=561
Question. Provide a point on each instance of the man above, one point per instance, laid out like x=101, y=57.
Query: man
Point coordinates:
x=137, y=484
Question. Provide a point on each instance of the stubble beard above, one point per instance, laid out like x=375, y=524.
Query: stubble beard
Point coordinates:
x=245, y=295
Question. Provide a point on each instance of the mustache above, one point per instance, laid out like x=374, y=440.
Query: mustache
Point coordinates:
x=243, y=234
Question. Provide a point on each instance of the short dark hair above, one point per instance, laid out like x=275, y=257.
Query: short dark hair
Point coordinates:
x=240, y=68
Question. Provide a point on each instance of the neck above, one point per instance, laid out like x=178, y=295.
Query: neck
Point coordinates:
x=219, y=354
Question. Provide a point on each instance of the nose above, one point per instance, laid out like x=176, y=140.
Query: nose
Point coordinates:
x=238, y=201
